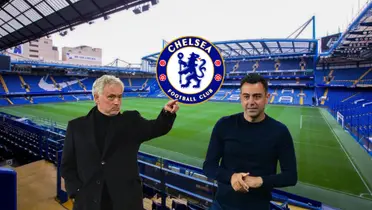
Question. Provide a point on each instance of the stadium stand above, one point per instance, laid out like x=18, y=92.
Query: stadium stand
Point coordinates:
x=344, y=77
x=345, y=91
x=45, y=87
x=281, y=95
x=269, y=65
x=291, y=96
x=48, y=88
x=353, y=109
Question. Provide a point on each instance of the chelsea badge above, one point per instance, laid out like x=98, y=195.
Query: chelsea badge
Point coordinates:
x=190, y=69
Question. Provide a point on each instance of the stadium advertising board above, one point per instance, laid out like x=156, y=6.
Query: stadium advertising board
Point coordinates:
x=328, y=41
x=16, y=50
x=71, y=56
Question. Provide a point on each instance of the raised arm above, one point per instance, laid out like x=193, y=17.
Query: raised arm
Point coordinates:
x=68, y=164
x=149, y=129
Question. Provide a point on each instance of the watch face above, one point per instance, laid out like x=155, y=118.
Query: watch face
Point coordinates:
x=190, y=69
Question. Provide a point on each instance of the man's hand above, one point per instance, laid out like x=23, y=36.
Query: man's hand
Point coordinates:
x=253, y=182
x=172, y=106
x=237, y=182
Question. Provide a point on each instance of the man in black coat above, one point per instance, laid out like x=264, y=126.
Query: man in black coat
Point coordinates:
x=99, y=160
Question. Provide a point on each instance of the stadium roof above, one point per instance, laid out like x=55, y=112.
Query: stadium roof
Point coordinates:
x=356, y=42
x=25, y=20
x=67, y=66
x=260, y=48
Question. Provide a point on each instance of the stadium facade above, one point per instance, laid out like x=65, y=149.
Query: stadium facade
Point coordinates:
x=42, y=49
x=39, y=49
x=83, y=55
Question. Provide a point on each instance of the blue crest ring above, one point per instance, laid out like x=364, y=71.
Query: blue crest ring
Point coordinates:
x=203, y=95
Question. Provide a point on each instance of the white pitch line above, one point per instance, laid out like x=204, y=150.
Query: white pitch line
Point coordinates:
x=326, y=188
x=301, y=122
x=347, y=155
x=362, y=194
x=311, y=116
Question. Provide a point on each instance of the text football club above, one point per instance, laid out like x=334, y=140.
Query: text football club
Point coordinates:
x=190, y=69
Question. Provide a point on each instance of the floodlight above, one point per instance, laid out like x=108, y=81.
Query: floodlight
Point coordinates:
x=137, y=11
x=154, y=2
x=145, y=7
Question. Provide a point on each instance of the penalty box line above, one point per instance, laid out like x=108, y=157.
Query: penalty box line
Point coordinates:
x=302, y=116
x=310, y=116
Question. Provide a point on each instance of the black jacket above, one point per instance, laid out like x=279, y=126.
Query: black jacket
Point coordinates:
x=85, y=170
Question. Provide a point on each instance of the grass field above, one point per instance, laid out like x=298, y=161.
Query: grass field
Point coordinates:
x=322, y=161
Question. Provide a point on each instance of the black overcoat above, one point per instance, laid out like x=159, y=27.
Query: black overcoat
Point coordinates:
x=84, y=168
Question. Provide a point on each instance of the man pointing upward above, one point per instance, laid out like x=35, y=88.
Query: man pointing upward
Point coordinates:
x=99, y=161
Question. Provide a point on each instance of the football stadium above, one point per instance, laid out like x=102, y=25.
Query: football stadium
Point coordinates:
x=320, y=88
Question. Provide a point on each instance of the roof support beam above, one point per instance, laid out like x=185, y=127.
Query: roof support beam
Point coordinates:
x=99, y=8
x=264, y=46
x=280, y=47
x=231, y=49
x=41, y=14
x=366, y=24
x=9, y=33
x=77, y=11
x=29, y=20
x=15, y=30
x=243, y=49
x=4, y=37
x=361, y=32
x=59, y=14
x=223, y=51
x=254, y=48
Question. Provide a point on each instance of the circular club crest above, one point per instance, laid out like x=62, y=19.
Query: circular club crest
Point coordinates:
x=190, y=69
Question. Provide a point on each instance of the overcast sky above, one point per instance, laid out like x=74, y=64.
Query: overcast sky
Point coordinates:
x=130, y=37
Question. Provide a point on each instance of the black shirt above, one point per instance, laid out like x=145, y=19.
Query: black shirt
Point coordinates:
x=101, y=126
x=253, y=148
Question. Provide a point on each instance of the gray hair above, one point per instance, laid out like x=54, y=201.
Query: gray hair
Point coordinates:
x=104, y=80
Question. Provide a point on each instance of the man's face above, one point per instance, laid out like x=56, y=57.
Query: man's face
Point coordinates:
x=109, y=102
x=253, y=99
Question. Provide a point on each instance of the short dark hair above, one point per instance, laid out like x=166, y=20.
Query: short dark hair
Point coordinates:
x=253, y=78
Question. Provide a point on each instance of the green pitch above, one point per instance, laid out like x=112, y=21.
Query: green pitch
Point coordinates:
x=322, y=162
